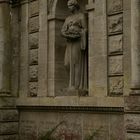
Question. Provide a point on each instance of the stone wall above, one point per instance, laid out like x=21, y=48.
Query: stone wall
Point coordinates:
x=9, y=117
x=41, y=102
x=71, y=125
x=9, y=56
x=32, y=85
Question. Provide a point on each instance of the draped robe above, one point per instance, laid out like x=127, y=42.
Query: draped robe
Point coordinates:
x=75, y=31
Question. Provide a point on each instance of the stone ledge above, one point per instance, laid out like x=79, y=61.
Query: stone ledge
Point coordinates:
x=72, y=101
x=73, y=109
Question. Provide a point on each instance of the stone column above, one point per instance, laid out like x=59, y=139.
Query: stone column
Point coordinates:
x=132, y=103
x=5, y=58
x=8, y=113
x=135, y=46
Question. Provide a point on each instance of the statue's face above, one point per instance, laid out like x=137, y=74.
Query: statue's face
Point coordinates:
x=71, y=5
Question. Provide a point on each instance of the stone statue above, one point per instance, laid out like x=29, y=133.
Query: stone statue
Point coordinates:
x=75, y=31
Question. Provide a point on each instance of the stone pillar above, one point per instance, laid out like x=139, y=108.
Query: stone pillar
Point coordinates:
x=135, y=46
x=8, y=113
x=5, y=58
x=132, y=103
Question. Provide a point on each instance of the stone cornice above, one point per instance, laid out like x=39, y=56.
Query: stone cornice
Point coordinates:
x=87, y=109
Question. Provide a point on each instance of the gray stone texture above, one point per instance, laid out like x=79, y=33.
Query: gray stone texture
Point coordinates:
x=8, y=128
x=9, y=115
x=33, y=54
x=33, y=8
x=133, y=122
x=33, y=89
x=116, y=65
x=77, y=126
x=116, y=85
x=114, y=6
x=32, y=71
x=133, y=137
x=115, y=44
x=10, y=137
x=115, y=24
x=33, y=24
x=132, y=103
x=33, y=41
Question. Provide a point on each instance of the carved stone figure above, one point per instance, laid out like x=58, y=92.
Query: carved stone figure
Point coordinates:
x=75, y=31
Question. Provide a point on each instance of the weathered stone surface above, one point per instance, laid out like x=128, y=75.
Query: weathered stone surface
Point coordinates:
x=33, y=8
x=116, y=85
x=9, y=115
x=10, y=137
x=115, y=44
x=33, y=56
x=133, y=122
x=116, y=65
x=7, y=102
x=33, y=24
x=114, y=6
x=8, y=128
x=115, y=24
x=72, y=126
x=33, y=89
x=33, y=40
x=33, y=73
x=132, y=136
x=132, y=103
x=5, y=49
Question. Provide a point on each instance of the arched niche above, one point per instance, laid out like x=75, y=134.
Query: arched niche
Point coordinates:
x=57, y=75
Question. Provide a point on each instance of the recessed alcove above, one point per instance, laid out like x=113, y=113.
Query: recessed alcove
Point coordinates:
x=57, y=74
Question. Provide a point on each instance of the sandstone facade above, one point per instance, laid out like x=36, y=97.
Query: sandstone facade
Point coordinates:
x=34, y=80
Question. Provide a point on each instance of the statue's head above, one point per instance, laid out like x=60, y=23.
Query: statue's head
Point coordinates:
x=73, y=5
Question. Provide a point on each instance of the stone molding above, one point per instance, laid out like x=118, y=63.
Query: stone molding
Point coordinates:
x=89, y=109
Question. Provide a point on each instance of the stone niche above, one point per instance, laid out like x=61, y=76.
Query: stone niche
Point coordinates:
x=57, y=74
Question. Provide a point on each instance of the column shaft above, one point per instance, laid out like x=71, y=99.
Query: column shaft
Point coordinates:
x=135, y=44
x=5, y=51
